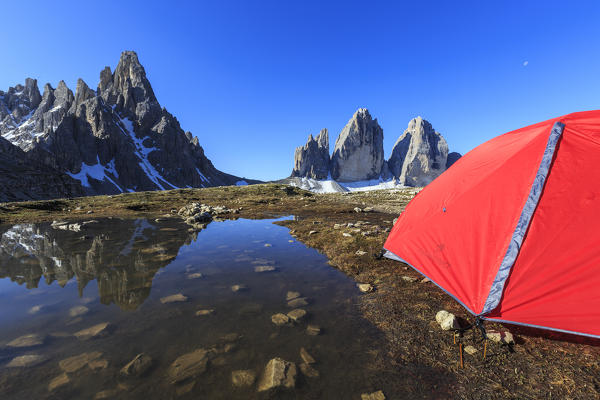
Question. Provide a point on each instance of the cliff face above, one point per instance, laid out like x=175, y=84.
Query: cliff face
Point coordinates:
x=358, y=151
x=114, y=139
x=419, y=155
x=312, y=159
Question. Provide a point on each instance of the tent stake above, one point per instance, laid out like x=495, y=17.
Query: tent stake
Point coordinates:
x=461, y=356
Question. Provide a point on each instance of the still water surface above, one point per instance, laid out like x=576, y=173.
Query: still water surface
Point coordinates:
x=55, y=283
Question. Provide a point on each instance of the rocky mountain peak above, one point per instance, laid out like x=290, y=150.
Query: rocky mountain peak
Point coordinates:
x=358, y=152
x=419, y=155
x=83, y=92
x=312, y=159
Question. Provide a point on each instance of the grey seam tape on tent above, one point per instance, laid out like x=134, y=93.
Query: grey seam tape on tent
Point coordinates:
x=516, y=240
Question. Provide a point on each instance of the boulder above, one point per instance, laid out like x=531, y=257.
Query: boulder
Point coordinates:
x=358, y=152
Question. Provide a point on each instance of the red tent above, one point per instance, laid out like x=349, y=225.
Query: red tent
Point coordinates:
x=512, y=229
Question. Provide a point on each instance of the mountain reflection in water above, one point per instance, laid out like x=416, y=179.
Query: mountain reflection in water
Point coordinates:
x=123, y=256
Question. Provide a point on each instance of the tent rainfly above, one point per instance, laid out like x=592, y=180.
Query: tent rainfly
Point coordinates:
x=512, y=229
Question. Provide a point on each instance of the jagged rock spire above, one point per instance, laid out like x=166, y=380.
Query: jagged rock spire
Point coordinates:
x=358, y=153
x=312, y=159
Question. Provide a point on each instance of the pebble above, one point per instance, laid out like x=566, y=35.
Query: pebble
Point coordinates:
x=201, y=313
x=409, y=278
x=195, y=275
x=138, y=366
x=35, y=309
x=268, y=245
x=360, y=253
x=470, y=350
x=309, y=371
x=446, y=320
x=500, y=337
x=238, y=288
x=312, y=232
x=346, y=234
x=425, y=280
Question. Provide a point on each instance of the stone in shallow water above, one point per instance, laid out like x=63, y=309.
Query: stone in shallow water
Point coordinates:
x=78, y=310
x=174, y=298
x=188, y=366
x=373, y=396
x=35, y=309
x=313, y=330
x=201, y=313
x=30, y=340
x=278, y=373
x=185, y=389
x=292, y=295
x=264, y=268
x=59, y=381
x=307, y=358
x=280, y=319
x=75, y=363
x=195, y=275
x=238, y=288
x=243, y=377
x=98, y=364
x=298, y=302
x=138, y=366
x=297, y=314
x=29, y=360
x=309, y=371
x=94, y=332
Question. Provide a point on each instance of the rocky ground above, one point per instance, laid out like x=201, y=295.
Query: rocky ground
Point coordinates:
x=349, y=229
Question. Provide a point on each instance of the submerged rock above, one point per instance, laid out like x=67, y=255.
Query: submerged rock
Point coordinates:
x=30, y=340
x=243, y=377
x=280, y=319
x=278, y=373
x=94, y=332
x=298, y=302
x=138, y=366
x=238, y=288
x=75, y=363
x=188, y=366
x=313, y=330
x=195, y=275
x=264, y=268
x=201, y=313
x=308, y=371
x=292, y=295
x=59, y=381
x=29, y=360
x=297, y=314
x=307, y=358
x=78, y=311
x=174, y=298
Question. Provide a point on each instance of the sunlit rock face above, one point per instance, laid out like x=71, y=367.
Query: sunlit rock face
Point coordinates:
x=312, y=159
x=114, y=139
x=419, y=155
x=358, y=151
x=122, y=262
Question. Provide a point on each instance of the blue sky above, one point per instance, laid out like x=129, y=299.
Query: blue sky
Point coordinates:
x=252, y=79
